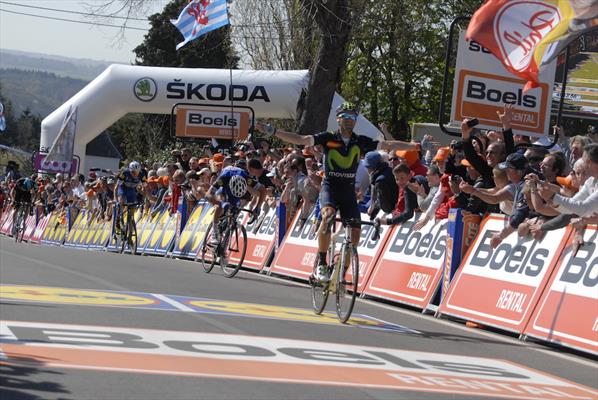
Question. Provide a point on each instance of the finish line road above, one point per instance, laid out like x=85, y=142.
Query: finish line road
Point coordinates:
x=95, y=325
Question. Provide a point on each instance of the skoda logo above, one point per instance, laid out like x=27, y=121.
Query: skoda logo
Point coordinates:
x=145, y=89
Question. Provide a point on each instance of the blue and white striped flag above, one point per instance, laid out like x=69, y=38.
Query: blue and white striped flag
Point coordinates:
x=2, y=119
x=200, y=17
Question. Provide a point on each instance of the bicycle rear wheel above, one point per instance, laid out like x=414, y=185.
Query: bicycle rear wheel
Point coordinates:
x=207, y=253
x=346, y=286
x=235, y=242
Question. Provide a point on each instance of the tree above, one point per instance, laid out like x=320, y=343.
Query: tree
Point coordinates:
x=396, y=60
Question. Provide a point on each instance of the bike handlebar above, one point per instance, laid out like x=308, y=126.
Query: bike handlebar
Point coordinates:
x=355, y=221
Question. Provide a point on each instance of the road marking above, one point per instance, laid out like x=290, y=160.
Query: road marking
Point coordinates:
x=156, y=301
x=277, y=360
x=174, y=303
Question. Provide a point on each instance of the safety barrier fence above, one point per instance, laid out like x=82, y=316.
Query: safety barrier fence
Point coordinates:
x=546, y=289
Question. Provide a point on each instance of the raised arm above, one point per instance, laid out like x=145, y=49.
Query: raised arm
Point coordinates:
x=289, y=137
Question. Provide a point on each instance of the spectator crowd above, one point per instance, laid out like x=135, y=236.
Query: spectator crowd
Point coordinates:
x=537, y=185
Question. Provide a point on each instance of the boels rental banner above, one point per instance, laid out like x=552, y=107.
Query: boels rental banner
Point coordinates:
x=299, y=251
x=500, y=287
x=567, y=312
x=261, y=235
x=411, y=264
x=482, y=87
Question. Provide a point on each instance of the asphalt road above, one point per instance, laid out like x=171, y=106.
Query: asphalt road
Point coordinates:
x=94, y=325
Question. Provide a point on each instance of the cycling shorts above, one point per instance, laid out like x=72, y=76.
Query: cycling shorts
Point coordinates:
x=229, y=199
x=130, y=195
x=342, y=198
x=22, y=196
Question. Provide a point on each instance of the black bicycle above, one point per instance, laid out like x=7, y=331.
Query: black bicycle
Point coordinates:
x=127, y=237
x=20, y=221
x=345, y=274
x=233, y=239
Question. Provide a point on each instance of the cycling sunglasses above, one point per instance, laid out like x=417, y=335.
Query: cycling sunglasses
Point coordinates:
x=347, y=116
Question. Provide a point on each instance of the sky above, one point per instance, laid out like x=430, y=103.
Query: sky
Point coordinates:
x=69, y=39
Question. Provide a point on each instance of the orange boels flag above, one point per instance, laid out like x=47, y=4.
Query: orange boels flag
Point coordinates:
x=526, y=35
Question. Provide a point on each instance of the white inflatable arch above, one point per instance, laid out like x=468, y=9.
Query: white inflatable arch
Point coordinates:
x=123, y=89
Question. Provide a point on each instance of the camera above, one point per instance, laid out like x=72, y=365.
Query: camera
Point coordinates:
x=473, y=122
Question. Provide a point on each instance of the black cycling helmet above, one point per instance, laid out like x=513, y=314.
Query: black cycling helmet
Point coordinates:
x=347, y=106
x=241, y=163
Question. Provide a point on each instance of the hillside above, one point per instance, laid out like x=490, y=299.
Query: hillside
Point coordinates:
x=63, y=66
x=41, y=92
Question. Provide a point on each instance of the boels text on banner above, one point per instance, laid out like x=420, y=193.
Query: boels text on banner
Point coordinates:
x=483, y=86
x=567, y=312
x=195, y=122
x=410, y=266
x=500, y=286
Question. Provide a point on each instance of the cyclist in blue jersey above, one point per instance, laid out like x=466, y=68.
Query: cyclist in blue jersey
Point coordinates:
x=342, y=151
x=233, y=187
x=128, y=180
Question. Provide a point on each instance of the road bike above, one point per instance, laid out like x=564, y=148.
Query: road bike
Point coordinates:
x=233, y=239
x=345, y=272
x=127, y=237
x=20, y=221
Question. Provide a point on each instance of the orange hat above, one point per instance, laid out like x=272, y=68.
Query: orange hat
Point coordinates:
x=218, y=157
x=466, y=163
x=163, y=180
x=442, y=154
x=566, y=182
x=153, y=179
x=410, y=156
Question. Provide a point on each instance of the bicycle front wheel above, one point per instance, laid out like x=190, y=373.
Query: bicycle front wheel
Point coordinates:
x=124, y=234
x=132, y=233
x=234, y=244
x=20, y=224
x=207, y=253
x=346, y=283
x=319, y=292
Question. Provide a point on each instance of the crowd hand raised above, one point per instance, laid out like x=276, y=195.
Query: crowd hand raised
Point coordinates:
x=466, y=187
x=465, y=129
x=267, y=129
x=420, y=224
x=506, y=117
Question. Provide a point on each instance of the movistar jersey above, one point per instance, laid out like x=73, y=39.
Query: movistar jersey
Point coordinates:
x=340, y=159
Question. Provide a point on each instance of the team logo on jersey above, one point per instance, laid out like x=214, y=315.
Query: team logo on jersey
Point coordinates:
x=336, y=160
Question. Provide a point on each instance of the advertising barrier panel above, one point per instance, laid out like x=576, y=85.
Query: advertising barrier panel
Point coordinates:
x=145, y=231
x=184, y=242
x=29, y=227
x=299, y=251
x=411, y=264
x=7, y=224
x=261, y=237
x=165, y=232
x=39, y=229
x=567, y=312
x=200, y=234
x=73, y=238
x=500, y=287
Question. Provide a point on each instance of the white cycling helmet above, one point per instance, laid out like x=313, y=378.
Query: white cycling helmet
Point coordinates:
x=237, y=186
x=135, y=166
